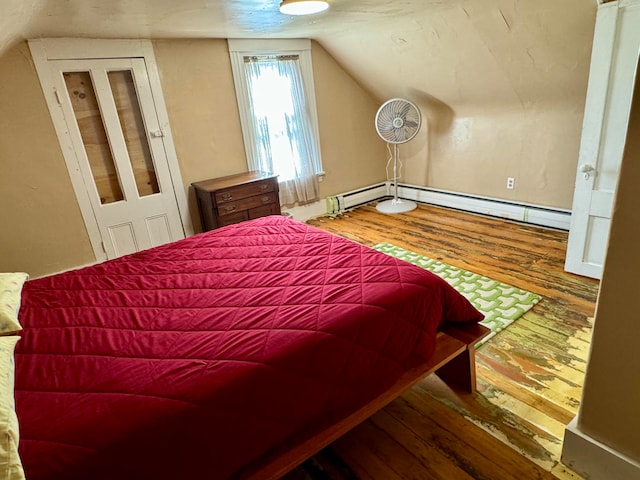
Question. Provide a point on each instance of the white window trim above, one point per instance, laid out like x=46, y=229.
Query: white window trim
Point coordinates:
x=238, y=49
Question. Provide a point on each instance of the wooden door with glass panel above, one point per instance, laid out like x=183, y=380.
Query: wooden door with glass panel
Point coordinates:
x=111, y=118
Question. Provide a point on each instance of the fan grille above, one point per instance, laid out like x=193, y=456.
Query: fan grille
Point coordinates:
x=398, y=120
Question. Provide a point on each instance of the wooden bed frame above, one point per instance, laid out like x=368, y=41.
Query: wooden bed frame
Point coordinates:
x=453, y=361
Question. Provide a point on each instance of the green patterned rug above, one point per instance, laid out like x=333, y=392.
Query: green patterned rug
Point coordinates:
x=500, y=303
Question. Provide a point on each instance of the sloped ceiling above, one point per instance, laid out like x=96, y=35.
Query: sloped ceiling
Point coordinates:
x=462, y=54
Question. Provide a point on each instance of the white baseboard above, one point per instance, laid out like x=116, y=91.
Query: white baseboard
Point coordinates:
x=533, y=214
x=594, y=460
x=361, y=196
x=526, y=213
x=337, y=204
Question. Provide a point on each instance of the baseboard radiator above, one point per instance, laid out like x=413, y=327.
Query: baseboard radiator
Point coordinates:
x=533, y=214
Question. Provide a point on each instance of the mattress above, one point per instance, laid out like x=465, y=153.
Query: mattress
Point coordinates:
x=192, y=359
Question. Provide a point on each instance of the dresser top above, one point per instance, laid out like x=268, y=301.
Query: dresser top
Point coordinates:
x=232, y=180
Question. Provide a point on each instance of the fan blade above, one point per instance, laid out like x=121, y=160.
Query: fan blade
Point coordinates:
x=405, y=110
x=385, y=121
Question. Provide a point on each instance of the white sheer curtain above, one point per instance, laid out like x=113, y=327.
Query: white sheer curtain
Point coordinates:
x=284, y=143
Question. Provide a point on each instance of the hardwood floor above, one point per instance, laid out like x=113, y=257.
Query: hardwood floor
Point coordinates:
x=529, y=376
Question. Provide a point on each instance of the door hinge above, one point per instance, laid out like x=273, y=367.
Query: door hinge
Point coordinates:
x=103, y=248
x=55, y=92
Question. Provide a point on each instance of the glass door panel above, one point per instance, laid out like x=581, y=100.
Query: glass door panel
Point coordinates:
x=134, y=132
x=94, y=136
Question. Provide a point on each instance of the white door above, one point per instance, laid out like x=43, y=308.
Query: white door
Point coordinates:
x=612, y=77
x=113, y=126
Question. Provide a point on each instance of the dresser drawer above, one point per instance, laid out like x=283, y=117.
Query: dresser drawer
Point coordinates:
x=246, y=203
x=243, y=191
x=264, y=210
x=233, y=218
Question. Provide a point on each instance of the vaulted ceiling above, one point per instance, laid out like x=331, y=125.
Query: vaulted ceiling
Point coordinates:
x=463, y=54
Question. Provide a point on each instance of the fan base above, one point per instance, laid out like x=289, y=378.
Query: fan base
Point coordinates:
x=396, y=206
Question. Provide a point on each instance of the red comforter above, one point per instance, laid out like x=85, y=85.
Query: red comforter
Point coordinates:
x=191, y=359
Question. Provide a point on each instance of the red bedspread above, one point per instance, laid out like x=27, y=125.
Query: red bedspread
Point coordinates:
x=191, y=359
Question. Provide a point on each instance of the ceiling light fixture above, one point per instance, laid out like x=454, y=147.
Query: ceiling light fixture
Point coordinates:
x=303, y=7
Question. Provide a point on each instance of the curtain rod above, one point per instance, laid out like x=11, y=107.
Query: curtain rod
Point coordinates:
x=262, y=58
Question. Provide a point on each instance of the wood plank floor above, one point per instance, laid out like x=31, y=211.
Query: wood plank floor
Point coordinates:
x=529, y=376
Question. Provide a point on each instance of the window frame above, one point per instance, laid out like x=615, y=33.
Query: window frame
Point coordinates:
x=240, y=48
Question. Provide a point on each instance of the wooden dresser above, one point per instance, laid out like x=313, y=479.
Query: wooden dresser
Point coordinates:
x=236, y=198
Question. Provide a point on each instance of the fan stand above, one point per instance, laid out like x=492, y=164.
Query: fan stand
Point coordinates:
x=396, y=205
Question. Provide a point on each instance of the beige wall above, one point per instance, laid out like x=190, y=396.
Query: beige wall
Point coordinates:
x=471, y=149
x=197, y=82
x=477, y=150
x=501, y=85
x=610, y=410
x=352, y=153
x=39, y=206
x=42, y=230
x=474, y=150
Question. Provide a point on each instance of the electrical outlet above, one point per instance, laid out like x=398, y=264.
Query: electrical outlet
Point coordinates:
x=511, y=183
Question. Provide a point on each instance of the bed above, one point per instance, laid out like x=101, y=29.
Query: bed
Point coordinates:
x=231, y=354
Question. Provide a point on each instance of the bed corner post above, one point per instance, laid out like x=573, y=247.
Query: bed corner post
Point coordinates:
x=460, y=372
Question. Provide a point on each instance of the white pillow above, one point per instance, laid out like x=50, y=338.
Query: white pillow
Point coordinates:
x=10, y=291
x=10, y=465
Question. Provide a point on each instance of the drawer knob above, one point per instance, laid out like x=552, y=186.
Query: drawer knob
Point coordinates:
x=229, y=208
x=264, y=186
x=266, y=199
x=227, y=196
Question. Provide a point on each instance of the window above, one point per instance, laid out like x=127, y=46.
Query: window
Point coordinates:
x=274, y=86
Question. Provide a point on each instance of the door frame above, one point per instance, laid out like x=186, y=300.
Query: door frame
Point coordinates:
x=45, y=49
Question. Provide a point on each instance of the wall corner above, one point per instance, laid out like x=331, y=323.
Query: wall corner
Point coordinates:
x=593, y=459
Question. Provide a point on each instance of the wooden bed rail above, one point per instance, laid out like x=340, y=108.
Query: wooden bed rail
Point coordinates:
x=453, y=361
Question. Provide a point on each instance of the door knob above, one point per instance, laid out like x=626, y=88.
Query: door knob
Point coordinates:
x=587, y=169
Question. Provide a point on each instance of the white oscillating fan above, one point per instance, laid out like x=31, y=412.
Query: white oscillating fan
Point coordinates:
x=397, y=121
